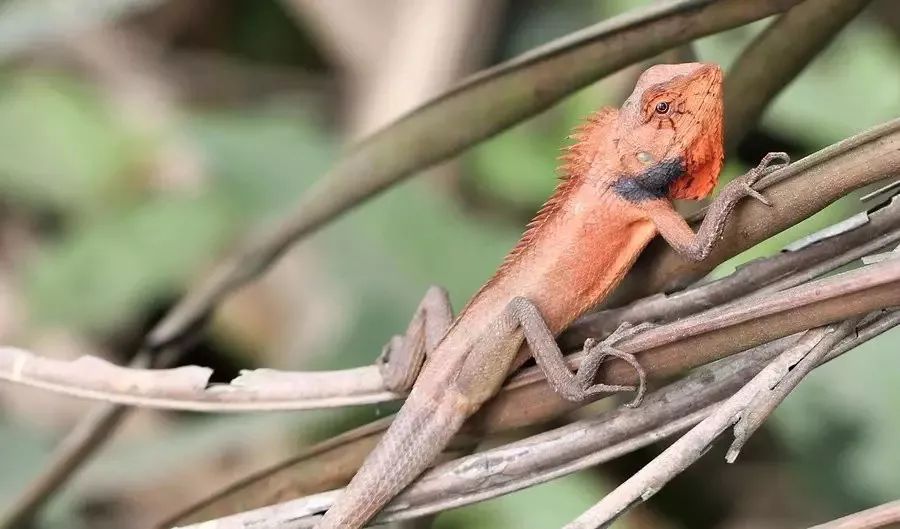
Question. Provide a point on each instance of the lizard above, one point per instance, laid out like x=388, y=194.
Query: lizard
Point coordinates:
x=618, y=178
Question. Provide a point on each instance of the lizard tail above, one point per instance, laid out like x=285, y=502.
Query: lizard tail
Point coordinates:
x=416, y=437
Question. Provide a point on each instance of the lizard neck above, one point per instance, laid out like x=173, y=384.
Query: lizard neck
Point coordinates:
x=580, y=244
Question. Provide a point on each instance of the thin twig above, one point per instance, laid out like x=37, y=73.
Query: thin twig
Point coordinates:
x=186, y=388
x=765, y=402
x=886, y=515
x=683, y=452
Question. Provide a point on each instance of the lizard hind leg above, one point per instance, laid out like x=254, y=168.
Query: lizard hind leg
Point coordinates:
x=403, y=356
x=579, y=386
x=596, y=352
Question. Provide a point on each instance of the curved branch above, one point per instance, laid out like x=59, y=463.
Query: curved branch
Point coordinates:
x=796, y=38
x=478, y=108
x=527, y=399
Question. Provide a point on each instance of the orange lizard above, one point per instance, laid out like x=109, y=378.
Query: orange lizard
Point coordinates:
x=618, y=177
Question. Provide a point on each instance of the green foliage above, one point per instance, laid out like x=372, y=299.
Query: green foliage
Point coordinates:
x=261, y=159
x=117, y=256
x=104, y=272
x=63, y=149
x=841, y=427
x=60, y=147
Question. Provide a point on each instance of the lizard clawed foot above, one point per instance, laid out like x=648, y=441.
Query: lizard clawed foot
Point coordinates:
x=771, y=162
x=765, y=166
x=756, y=195
x=596, y=352
x=626, y=330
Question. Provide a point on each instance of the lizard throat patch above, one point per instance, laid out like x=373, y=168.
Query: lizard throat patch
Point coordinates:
x=650, y=184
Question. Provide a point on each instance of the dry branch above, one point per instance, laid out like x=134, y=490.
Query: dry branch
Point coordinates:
x=886, y=515
x=701, y=16
x=561, y=451
x=526, y=399
x=685, y=451
x=698, y=339
x=764, y=403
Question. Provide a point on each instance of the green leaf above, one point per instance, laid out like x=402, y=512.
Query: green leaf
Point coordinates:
x=106, y=270
x=261, y=161
x=841, y=427
x=59, y=146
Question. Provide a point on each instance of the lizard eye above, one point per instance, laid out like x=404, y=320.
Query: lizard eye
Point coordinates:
x=662, y=107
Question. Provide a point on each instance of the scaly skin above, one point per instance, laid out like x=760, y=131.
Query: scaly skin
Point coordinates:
x=626, y=164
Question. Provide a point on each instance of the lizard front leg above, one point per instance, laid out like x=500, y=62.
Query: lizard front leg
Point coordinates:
x=696, y=246
x=403, y=356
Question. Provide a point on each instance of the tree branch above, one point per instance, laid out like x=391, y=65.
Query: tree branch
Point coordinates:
x=730, y=328
x=527, y=399
x=796, y=38
x=885, y=515
x=557, y=452
x=682, y=453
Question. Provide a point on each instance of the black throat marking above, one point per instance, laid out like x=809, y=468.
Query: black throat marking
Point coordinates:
x=650, y=184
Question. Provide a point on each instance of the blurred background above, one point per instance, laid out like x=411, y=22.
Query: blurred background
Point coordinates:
x=142, y=140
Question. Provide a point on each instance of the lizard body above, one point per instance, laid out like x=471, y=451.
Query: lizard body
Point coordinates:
x=618, y=178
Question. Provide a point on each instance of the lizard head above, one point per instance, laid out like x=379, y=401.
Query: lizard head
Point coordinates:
x=670, y=131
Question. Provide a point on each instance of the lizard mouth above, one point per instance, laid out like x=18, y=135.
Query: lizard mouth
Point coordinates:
x=703, y=134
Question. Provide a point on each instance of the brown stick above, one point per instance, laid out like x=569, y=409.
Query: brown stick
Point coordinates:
x=690, y=447
x=526, y=399
x=554, y=453
x=886, y=515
